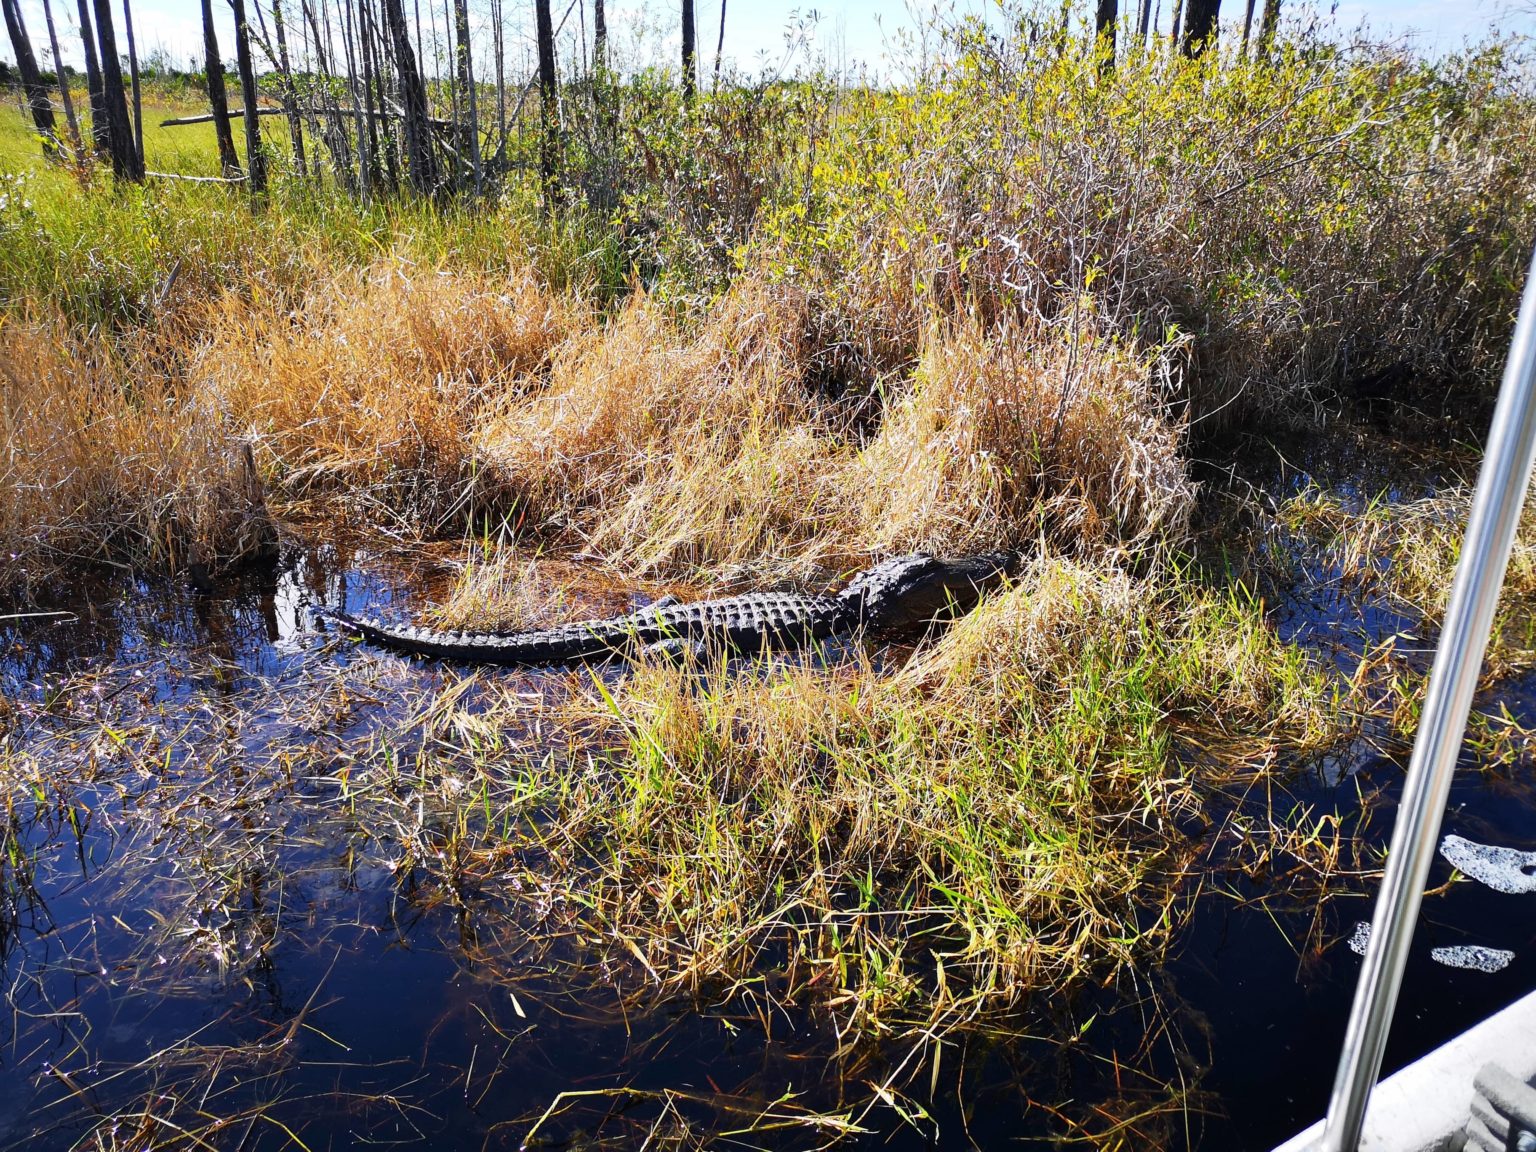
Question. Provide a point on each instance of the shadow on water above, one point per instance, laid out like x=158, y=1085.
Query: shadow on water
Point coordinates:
x=205, y=944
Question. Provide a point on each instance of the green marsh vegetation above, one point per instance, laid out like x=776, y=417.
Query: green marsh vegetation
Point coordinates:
x=761, y=338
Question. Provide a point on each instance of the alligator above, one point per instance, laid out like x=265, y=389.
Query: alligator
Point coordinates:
x=896, y=595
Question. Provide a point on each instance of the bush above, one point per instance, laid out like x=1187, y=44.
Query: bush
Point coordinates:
x=1311, y=220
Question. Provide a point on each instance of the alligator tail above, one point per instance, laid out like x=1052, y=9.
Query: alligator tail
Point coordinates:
x=549, y=647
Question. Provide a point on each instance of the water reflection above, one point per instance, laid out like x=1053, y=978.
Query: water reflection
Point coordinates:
x=203, y=928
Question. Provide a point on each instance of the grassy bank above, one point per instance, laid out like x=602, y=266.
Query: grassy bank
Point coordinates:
x=978, y=308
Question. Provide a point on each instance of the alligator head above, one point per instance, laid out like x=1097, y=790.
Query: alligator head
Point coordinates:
x=907, y=591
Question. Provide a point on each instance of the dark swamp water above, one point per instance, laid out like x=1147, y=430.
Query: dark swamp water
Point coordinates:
x=201, y=939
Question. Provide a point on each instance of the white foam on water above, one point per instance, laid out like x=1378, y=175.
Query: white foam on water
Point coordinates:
x=1473, y=956
x=1361, y=938
x=1502, y=869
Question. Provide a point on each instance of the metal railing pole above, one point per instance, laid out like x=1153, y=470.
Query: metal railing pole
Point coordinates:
x=1501, y=488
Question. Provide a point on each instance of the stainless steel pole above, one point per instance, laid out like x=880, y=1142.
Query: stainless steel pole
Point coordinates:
x=1501, y=488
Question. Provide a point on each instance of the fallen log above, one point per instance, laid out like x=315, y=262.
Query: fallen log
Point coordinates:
x=235, y=113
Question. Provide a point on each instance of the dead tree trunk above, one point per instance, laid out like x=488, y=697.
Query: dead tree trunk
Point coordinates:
x=290, y=92
x=1268, y=26
x=32, y=84
x=1146, y=22
x=255, y=160
x=413, y=99
x=133, y=79
x=218, y=96
x=1199, y=25
x=378, y=59
x=1104, y=21
x=719, y=45
x=498, y=43
x=690, y=53
x=364, y=155
x=360, y=24
x=600, y=36
x=334, y=130
x=469, y=135
x=549, y=142
x=100, y=135
x=126, y=161
x=63, y=79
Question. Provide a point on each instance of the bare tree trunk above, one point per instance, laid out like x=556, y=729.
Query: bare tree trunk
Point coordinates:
x=255, y=161
x=548, y=146
x=125, y=157
x=360, y=24
x=133, y=78
x=290, y=92
x=335, y=133
x=1146, y=22
x=1268, y=26
x=413, y=98
x=470, y=135
x=38, y=100
x=1247, y=27
x=499, y=43
x=100, y=136
x=218, y=95
x=63, y=79
x=1104, y=21
x=364, y=156
x=1176, y=32
x=1200, y=22
x=436, y=81
x=719, y=45
x=599, y=36
x=690, y=53
x=380, y=139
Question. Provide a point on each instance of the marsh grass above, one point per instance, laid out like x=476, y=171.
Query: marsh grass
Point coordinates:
x=427, y=401
x=95, y=470
x=1406, y=553
x=900, y=850
x=1008, y=797
x=929, y=319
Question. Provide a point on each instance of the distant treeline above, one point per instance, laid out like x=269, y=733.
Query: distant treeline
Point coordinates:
x=368, y=102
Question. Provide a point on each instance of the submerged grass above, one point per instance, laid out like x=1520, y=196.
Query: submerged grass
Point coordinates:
x=898, y=854
x=1406, y=553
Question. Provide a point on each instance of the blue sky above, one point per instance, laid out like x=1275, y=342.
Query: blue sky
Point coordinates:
x=875, y=33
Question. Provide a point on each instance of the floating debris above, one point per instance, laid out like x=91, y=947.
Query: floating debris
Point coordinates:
x=1502, y=869
x=1473, y=956
x=1361, y=938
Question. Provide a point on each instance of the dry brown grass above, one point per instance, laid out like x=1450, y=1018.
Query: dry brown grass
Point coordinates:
x=670, y=453
x=132, y=449
x=667, y=449
x=1028, y=431
x=374, y=386
x=428, y=400
x=99, y=463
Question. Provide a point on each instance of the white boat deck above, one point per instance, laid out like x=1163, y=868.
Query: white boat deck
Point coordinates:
x=1424, y=1107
